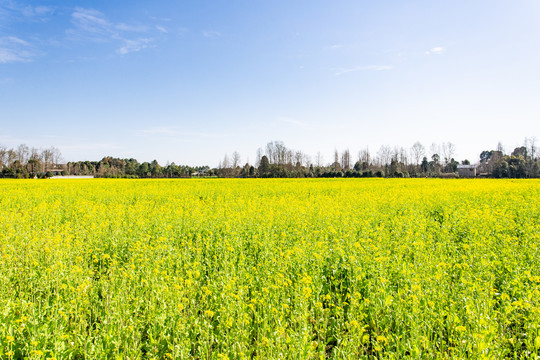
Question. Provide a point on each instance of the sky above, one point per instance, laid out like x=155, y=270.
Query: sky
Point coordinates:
x=190, y=81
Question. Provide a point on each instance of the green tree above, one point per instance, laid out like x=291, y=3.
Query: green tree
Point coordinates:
x=264, y=167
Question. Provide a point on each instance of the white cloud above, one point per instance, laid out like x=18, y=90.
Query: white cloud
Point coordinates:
x=438, y=50
x=14, y=49
x=134, y=46
x=211, y=34
x=162, y=29
x=92, y=21
x=92, y=25
x=37, y=11
x=364, y=68
x=15, y=11
x=132, y=28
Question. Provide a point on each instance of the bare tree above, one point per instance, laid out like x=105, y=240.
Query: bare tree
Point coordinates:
x=271, y=152
x=319, y=159
x=346, y=160
x=258, y=157
x=226, y=164
x=298, y=158
x=47, y=156
x=307, y=160
x=282, y=153
x=434, y=149
x=532, y=147
x=278, y=153
x=336, y=161
x=235, y=160
x=364, y=157
x=448, y=149
x=11, y=157
x=57, y=156
x=500, y=148
x=402, y=156
x=384, y=155
x=418, y=152
x=3, y=156
x=22, y=153
x=34, y=153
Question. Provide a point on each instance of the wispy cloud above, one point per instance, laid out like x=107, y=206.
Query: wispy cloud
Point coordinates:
x=132, y=28
x=93, y=25
x=134, y=46
x=160, y=18
x=211, y=34
x=12, y=10
x=37, y=11
x=364, y=68
x=14, y=49
x=162, y=29
x=438, y=50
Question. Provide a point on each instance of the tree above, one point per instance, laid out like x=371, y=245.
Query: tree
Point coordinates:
x=319, y=159
x=418, y=151
x=258, y=157
x=235, y=163
x=425, y=165
x=155, y=169
x=225, y=166
x=3, y=156
x=434, y=149
x=144, y=169
x=264, y=167
x=33, y=166
x=235, y=159
x=346, y=160
x=56, y=156
x=520, y=152
x=448, y=149
x=336, y=165
x=47, y=158
x=532, y=147
x=364, y=157
x=385, y=155
x=22, y=153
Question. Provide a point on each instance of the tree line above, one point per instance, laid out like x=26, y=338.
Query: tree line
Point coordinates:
x=278, y=161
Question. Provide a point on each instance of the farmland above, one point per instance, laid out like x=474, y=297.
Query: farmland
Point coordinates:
x=260, y=268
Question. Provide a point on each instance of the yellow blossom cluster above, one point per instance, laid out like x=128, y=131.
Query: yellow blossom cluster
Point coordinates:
x=269, y=269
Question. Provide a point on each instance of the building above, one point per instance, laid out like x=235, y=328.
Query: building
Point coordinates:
x=466, y=171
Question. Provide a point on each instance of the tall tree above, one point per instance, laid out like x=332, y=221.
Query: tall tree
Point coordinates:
x=346, y=160
x=418, y=152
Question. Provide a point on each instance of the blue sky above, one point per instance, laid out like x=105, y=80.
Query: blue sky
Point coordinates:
x=188, y=81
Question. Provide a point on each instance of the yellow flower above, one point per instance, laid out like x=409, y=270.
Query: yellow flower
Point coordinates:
x=461, y=328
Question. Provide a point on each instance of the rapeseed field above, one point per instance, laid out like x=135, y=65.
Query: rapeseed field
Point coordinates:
x=269, y=269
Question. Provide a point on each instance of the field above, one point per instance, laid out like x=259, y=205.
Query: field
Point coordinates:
x=269, y=269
